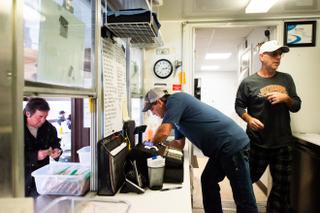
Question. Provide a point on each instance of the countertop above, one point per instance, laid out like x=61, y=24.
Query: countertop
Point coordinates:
x=155, y=201
x=176, y=200
x=313, y=138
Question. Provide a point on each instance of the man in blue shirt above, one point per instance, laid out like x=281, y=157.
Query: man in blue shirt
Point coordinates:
x=216, y=135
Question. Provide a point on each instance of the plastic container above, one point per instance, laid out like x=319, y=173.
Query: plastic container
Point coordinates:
x=155, y=172
x=62, y=179
x=80, y=204
x=85, y=155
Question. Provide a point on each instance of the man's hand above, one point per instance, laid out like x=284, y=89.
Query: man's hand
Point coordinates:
x=55, y=153
x=253, y=123
x=42, y=154
x=178, y=144
x=278, y=97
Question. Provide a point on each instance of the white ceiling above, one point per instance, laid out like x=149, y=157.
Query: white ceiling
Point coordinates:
x=232, y=9
x=227, y=39
x=219, y=40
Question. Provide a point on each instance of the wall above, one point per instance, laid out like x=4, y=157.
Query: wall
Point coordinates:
x=217, y=88
x=171, y=35
x=304, y=66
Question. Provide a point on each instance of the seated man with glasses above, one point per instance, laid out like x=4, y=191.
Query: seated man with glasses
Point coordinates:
x=264, y=100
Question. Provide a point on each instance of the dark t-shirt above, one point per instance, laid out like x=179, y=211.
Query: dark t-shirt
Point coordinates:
x=206, y=127
x=46, y=138
x=251, y=96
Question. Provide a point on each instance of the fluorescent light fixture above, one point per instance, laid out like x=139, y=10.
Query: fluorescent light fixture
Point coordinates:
x=260, y=6
x=211, y=56
x=209, y=67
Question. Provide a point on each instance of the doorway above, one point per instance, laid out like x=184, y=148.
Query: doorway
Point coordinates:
x=223, y=56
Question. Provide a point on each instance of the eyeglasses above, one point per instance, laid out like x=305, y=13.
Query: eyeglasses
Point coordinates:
x=274, y=54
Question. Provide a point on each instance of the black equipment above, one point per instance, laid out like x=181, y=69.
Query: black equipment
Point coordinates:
x=129, y=132
x=112, y=154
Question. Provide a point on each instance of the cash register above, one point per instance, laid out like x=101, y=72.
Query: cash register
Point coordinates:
x=146, y=149
x=123, y=164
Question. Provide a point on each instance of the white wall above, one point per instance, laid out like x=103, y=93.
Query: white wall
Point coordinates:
x=171, y=35
x=303, y=64
x=218, y=89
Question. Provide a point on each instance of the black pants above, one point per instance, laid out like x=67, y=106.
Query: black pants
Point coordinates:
x=279, y=160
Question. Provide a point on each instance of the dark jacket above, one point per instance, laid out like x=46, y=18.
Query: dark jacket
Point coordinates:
x=46, y=138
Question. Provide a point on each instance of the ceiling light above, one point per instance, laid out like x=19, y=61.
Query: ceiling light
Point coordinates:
x=260, y=6
x=211, y=56
x=209, y=67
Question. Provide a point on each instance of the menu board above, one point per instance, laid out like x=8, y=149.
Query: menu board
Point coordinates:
x=114, y=85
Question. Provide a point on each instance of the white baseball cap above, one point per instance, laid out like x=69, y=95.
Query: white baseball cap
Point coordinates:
x=152, y=96
x=271, y=46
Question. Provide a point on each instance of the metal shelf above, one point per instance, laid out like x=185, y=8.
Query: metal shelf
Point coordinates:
x=138, y=31
x=142, y=29
x=154, y=42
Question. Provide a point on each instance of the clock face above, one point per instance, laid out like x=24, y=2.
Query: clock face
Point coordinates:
x=163, y=68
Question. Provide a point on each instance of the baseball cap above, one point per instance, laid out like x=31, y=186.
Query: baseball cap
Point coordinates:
x=152, y=96
x=271, y=46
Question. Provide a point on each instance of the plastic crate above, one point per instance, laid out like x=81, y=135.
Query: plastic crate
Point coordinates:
x=62, y=179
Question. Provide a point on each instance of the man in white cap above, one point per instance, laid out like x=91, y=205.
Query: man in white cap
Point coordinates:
x=264, y=101
x=216, y=135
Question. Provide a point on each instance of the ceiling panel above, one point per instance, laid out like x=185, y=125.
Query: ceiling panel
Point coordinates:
x=219, y=40
x=232, y=9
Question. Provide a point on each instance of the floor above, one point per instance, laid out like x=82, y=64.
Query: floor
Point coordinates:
x=226, y=193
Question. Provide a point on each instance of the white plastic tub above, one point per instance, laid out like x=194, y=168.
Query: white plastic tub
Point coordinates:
x=62, y=179
x=86, y=205
x=85, y=155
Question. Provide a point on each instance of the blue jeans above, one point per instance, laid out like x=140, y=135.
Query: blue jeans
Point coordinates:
x=236, y=168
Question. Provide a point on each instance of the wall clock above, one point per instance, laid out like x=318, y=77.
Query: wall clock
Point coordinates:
x=163, y=68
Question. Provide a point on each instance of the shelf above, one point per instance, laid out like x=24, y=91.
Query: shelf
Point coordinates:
x=139, y=25
x=154, y=42
x=139, y=32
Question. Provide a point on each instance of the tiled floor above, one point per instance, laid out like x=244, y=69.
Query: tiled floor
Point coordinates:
x=226, y=193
